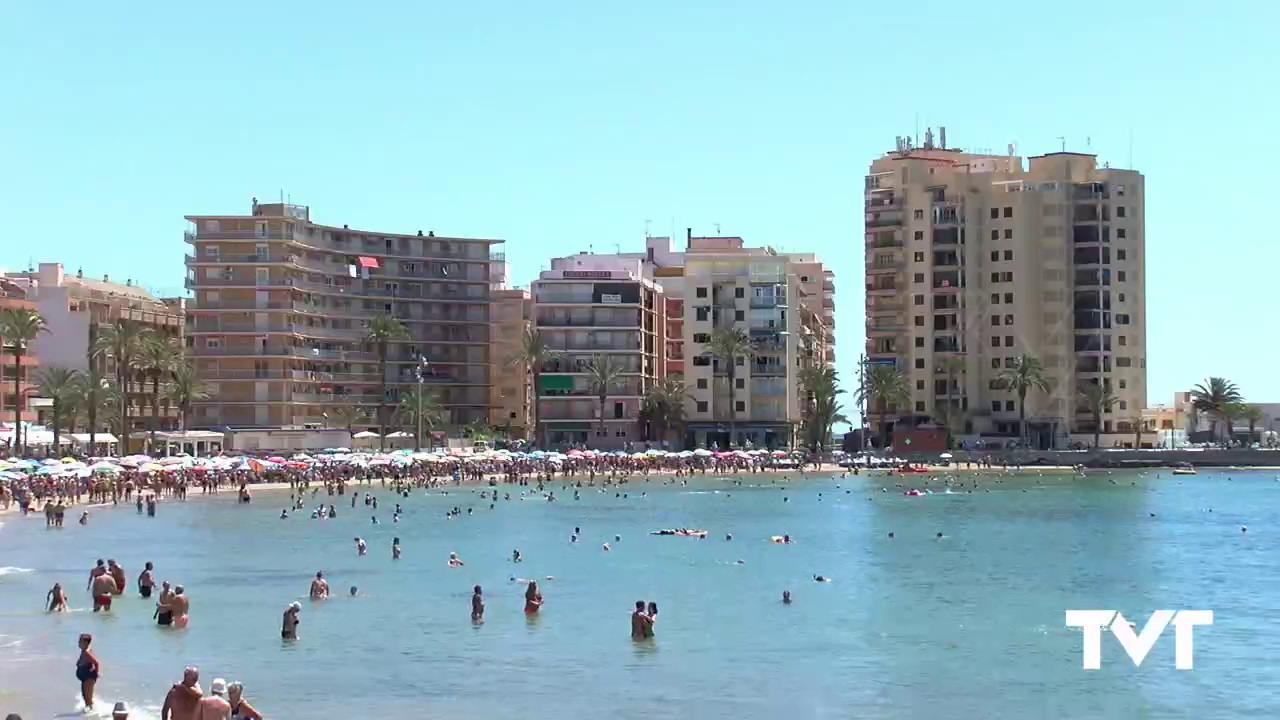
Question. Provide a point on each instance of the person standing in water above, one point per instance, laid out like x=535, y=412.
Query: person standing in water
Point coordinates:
x=87, y=670
x=180, y=604
x=164, y=605
x=289, y=629
x=477, y=605
x=103, y=587
x=215, y=706
x=319, y=587
x=57, y=599
x=117, y=574
x=532, y=598
x=395, y=548
x=146, y=581
x=183, y=699
x=641, y=623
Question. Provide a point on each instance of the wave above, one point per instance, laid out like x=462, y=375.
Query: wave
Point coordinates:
x=9, y=570
x=102, y=709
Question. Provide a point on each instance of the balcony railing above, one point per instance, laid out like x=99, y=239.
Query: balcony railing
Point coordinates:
x=769, y=301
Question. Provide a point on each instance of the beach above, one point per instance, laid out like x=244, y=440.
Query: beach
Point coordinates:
x=970, y=621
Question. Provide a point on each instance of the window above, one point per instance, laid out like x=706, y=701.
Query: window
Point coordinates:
x=1006, y=277
x=919, y=235
x=212, y=226
x=995, y=320
x=1008, y=298
x=995, y=277
x=702, y=406
x=919, y=406
x=919, y=363
x=702, y=383
x=1008, y=362
x=918, y=214
x=917, y=299
x=1008, y=234
x=1008, y=212
x=804, y=278
x=739, y=361
x=1009, y=406
x=995, y=256
x=1120, y=209
x=701, y=292
x=702, y=361
x=995, y=341
x=919, y=342
x=995, y=298
x=1120, y=234
x=919, y=384
x=918, y=277
x=739, y=315
x=995, y=213
x=1124, y=405
x=1123, y=384
x=1122, y=319
x=1008, y=319
x=702, y=313
x=995, y=234
x=702, y=337
x=1124, y=340
x=1120, y=276
x=919, y=321
x=996, y=384
x=995, y=406
x=617, y=410
x=995, y=363
x=1124, y=362
x=919, y=257
x=1008, y=341
x=739, y=292
x=1008, y=254
x=211, y=251
x=739, y=383
x=740, y=406
x=1121, y=255
x=1120, y=297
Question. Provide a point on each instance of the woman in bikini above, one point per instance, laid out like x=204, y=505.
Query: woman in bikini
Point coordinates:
x=532, y=598
x=87, y=670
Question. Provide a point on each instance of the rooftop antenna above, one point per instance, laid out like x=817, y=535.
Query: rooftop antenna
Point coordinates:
x=1063, y=140
x=916, y=142
x=1131, y=148
x=717, y=229
x=647, y=224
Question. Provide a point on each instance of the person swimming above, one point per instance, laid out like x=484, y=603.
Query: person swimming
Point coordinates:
x=786, y=597
x=454, y=560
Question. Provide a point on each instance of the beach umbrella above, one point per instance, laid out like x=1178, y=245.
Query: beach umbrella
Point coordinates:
x=700, y=452
x=69, y=460
x=151, y=467
x=50, y=461
x=779, y=453
x=276, y=459
x=945, y=456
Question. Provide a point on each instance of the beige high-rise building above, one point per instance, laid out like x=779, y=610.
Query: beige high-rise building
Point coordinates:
x=982, y=258
x=282, y=307
x=511, y=395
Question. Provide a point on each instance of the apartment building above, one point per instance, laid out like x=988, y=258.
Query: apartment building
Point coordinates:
x=14, y=295
x=282, y=305
x=76, y=309
x=784, y=301
x=511, y=395
x=589, y=305
x=981, y=258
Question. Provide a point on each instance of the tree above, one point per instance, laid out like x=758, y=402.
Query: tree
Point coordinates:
x=122, y=341
x=1230, y=413
x=533, y=355
x=185, y=390
x=19, y=327
x=62, y=387
x=662, y=408
x=1024, y=375
x=821, y=386
x=347, y=416
x=727, y=345
x=158, y=356
x=96, y=396
x=382, y=330
x=603, y=374
x=884, y=387
x=1253, y=415
x=1137, y=423
x=1099, y=400
x=421, y=404
x=1212, y=396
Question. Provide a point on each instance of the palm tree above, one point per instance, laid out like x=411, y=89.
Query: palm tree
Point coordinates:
x=532, y=356
x=727, y=345
x=382, y=330
x=96, y=396
x=19, y=327
x=1024, y=375
x=185, y=390
x=1253, y=415
x=425, y=406
x=123, y=341
x=62, y=386
x=1098, y=400
x=662, y=408
x=885, y=386
x=158, y=357
x=1137, y=423
x=822, y=390
x=1212, y=396
x=604, y=374
x=347, y=416
x=1230, y=413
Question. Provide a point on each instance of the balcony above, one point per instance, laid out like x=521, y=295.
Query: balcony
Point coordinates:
x=768, y=301
x=881, y=267
x=883, y=219
x=882, y=289
x=946, y=236
x=202, y=235
x=249, y=282
x=768, y=370
x=883, y=239
x=883, y=201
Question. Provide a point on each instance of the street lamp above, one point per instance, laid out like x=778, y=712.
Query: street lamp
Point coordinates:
x=421, y=372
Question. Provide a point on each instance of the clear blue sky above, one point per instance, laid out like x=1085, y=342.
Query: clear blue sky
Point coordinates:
x=560, y=126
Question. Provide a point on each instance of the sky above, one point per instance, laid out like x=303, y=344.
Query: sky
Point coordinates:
x=577, y=125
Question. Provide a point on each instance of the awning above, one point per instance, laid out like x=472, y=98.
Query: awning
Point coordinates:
x=99, y=438
x=555, y=382
x=367, y=262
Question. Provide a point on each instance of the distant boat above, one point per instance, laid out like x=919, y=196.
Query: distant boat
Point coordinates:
x=1184, y=469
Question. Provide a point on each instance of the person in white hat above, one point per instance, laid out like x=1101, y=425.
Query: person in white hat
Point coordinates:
x=215, y=705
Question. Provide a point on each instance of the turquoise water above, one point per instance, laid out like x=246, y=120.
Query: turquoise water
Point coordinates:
x=967, y=626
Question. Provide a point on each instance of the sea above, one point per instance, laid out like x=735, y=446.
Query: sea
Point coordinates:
x=968, y=625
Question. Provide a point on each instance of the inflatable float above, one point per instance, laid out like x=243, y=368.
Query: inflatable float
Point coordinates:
x=682, y=532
